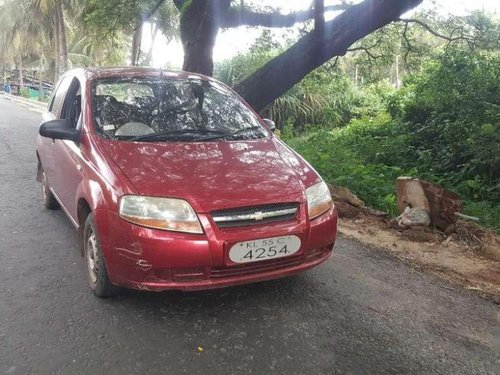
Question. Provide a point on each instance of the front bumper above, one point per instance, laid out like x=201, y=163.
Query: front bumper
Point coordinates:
x=148, y=259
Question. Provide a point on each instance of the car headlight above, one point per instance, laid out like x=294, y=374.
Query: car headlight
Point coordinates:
x=160, y=213
x=319, y=199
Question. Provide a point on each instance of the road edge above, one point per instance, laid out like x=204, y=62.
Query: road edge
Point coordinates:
x=31, y=105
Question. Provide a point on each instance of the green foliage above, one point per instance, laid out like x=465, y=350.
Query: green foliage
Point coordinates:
x=184, y=6
x=367, y=156
x=122, y=13
x=488, y=212
x=443, y=125
x=242, y=65
x=24, y=92
x=453, y=116
x=337, y=163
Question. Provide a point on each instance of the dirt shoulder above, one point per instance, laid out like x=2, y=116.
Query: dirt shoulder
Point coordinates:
x=449, y=258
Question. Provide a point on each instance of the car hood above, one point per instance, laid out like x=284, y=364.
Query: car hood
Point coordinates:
x=215, y=175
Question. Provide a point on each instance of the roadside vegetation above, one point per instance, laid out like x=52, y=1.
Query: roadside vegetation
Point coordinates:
x=430, y=110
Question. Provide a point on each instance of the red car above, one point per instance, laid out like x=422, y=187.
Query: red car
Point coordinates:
x=174, y=182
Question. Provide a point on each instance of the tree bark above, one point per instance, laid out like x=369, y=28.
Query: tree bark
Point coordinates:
x=64, y=43
x=319, y=28
x=57, y=70
x=280, y=74
x=136, y=44
x=61, y=42
x=319, y=18
x=200, y=25
x=242, y=16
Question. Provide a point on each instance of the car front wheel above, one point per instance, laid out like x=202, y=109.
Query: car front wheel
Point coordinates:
x=94, y=259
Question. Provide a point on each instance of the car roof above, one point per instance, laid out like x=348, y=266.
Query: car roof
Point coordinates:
x=92, y=73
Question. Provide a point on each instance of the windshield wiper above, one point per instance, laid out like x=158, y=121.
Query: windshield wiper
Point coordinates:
x=245, y=130
x=223, y=135
x=201, y=135
x=181, y=134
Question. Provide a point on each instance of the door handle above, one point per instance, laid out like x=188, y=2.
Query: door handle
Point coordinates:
x=79, y=167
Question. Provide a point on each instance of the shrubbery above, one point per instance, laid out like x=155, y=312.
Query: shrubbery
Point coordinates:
x=444, y=126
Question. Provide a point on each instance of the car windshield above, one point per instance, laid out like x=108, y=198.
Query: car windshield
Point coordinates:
x=171, y=110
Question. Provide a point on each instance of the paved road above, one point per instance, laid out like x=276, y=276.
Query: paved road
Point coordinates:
x=362, y=312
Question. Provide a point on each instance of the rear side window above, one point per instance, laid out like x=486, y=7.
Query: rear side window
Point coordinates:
x=59, y=96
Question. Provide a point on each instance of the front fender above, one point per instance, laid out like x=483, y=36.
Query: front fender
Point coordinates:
x=92, y=193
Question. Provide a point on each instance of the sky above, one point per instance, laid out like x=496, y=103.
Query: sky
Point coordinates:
x=234, y=41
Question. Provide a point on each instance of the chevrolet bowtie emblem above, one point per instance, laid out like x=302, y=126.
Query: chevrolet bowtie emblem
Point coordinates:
x=258, y=216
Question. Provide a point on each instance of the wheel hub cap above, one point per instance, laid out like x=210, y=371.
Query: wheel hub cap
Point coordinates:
x=44, y=186
x=92, y=258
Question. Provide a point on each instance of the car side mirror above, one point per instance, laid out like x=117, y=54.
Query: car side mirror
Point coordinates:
x=59, y=129
x=271, y=124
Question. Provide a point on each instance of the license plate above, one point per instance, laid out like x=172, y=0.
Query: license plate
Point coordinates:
x=264, y=249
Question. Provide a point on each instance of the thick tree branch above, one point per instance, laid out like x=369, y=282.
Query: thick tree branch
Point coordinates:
x=408, y=44
x=241, y=16
x=319, y=18
x=284, y=71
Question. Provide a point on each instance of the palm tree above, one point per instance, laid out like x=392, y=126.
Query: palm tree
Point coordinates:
x=57, y=34
x=52, y=10
x=20, y=32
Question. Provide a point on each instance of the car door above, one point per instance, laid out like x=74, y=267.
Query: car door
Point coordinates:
x=68, y=155
x=47, y=146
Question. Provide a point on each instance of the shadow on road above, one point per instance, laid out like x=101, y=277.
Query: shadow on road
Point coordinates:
x=272, y=294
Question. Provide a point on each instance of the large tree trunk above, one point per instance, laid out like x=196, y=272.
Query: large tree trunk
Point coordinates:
x=64, y=43
x=280, y=74
x=136, y=44
x=199, y=28
x=319, y=18
x=57, y=70
x=60, y=41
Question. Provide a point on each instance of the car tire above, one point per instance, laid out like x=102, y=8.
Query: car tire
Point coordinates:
x=49, y=201
x=94, y=260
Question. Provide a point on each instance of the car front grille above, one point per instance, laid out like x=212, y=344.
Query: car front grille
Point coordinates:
x=243, y=216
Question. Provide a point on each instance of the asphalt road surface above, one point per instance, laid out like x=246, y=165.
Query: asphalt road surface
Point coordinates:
x=362, y=312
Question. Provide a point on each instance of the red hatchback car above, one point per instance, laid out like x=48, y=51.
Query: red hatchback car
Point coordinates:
x=174, y=182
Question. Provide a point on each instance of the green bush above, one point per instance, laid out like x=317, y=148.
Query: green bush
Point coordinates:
x=358, y=157
x=488, y=212
x=451, y=112
x=24, y=92
x=336, y=162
